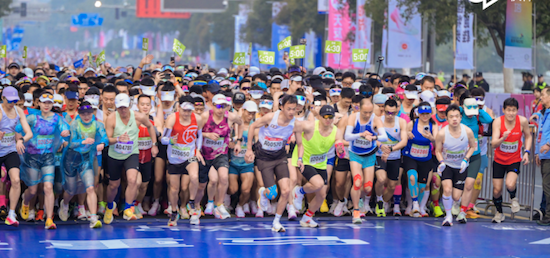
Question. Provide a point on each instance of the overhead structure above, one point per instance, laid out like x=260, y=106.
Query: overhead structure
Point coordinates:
x=193, y=6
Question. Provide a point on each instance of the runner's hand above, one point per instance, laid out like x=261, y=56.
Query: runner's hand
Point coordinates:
x=200, y=158
x=147, y=60
x=20, y=147
x=385, y=149
x=385, y=157
x=88, y=141
x=212, y=136
x=154, y=151
x=505, y=134
x=124, y=137
x=237, y=149
x=537, y=160
x=463, y=166
x=100, y=147
x=2, y=135
x=441, y=168
x=65, y=133
x=249, y=156
x=365, y=134
x=301, y=166
x=410, y=134
x=525, y=159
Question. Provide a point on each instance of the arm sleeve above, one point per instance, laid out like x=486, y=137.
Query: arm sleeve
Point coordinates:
x=165, y=140
x=349, y=136
x=484, y=117
x=382, y=136
x=199, y=139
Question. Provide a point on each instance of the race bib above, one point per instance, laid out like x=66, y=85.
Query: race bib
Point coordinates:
x=272, y=143
x=145, y=143
x=180, y=152
x=242, y=152
x=419, y=151
x=316, y=159
x=57, y=159
x=44, y=142
x=217, y=144
x=362, y=143
x=124, y=147
x=454, y=156
x=509, y=147
x=8, y=140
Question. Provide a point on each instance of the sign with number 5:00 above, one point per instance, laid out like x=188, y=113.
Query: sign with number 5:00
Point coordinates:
x=360, y=55
x=266, y=57
x=298, y=51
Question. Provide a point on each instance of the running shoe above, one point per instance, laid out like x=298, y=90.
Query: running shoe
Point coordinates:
x=141, y=210
x=40, y=215
x=356, y=217
x=24, y=212
x=168, y=210
x=448, y=221
x=339, y=210
x=324, y=207
x=32, y=214
x=195, y=215
x=239, y=212
x=138, y=213
x=333, y=206
x=415, y=210
x=50, y=224
x=437, y=211
x=108, y=218
x=408, y=209
x=154, y=208
x=380, y=212
x=368, y=210
x=253, y=207
x=308, y=222
x=3, y=213
x=476, y=210
x=456, y=208
x=184, y=213
x=545, y=221
x=95, y=223
x=515, y=205
x=277, y=227
x=11, y=221
x=246, y=208
x=259, y=213
x=82, y=213
x=272, y=209
x=346, y=208
x=64, y=211
x=291, y=211
x=174, y=217
x=498, y=218
x=221, y=212
x=423, y=213
x=209, y=208
x=396, y=211
x=129, y=214
x=461, y=217
x=263, y=202
x=298, y=198
x=101, y=209
x=471, y=214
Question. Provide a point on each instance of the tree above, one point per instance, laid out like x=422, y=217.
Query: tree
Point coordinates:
x=258, y=25
x=301, y=16
x=5, y=7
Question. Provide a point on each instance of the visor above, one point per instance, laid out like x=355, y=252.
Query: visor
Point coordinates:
x=187, y=106
x=442, y=107
x=148, y=90
x=46, y=98
x=424, y=110
x=256, y=94
x=167, y=95
x=301, y=100
x=85, y=109
x=411, y=94
x=335, y=92
x=264, y=103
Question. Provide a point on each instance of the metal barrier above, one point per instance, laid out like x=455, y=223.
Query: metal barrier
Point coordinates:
x=525, y=183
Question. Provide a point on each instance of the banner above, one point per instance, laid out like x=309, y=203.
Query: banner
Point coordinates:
x=519, y=34
x=322, y=6
x=338, y=27
x=363, y=34
x=278, y=34
x=240, y=23
x=404, y=38
x=464, y=38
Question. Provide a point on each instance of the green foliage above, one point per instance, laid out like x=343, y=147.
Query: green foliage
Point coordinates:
x=5, y=7
x=258, y=25
x=301, y=16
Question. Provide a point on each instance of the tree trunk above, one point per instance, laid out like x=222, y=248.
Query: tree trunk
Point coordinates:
x=508, y=74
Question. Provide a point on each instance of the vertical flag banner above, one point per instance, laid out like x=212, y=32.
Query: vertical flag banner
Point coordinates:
x=25, y=52
x=464, y=38
x=240, y=23
x=178, y=48
x=145, y=44
x=3, y=50
x=90, y=59
x=338, y=27
x=519, y=34
x=100, y=58
x=404, y=38
x=363, y=33
x=279, y=33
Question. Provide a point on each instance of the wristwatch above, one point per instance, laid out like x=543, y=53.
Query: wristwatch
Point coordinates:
x=156, y=144
x=239, y=140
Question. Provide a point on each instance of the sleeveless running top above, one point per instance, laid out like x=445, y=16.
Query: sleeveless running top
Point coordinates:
x=454, y=149
x=509, y=151
x=418, y=148
x=7, y=125
x=316, y=149
x=394, y=137
x=43, y=134
x=210, y=148
x=272, y=139
x=362, y=146
x=238, y=159
x=145, y=143
x=485, y=139
x=123, y=150
x=185, y=146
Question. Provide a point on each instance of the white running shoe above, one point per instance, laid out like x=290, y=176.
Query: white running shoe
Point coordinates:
x=396, y=210
x=476, y=210
x=272, y=209
x=168, y=211
x=448, y=221
x=32, y=214
x=298, y=198
x=415, y=210
x=143, y=212
x=263, y=202
x=184, y=214
x=227, y=201
x=100, y=209
x=246, y=208
x=154, y=208
x=499, y=217
x=209, y=208
x=94, y=222
x=307, y=222
x=366, y=208
x=339, y=210
x=253, y=207
x=456, y=208
x=82, y=214
x=277, y=227
x=332, y=207
x=64, y=211
x=515, y=205
x=259, y=213
x=346, y=208
x=239, y=212
x=461, y=217
x=291, y=211
x=221, y=212
x=195, y=215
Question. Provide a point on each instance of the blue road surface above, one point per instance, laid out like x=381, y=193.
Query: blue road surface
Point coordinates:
x=251, y=237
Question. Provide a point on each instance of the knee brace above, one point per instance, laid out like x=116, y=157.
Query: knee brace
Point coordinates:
x=272, y=192
x=435, y=186
x=479, y=180
x=357, y=182
x=413, y=186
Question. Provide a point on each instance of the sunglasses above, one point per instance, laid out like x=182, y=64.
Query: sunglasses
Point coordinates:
x=199, y=104
x=224, y=86
x=335, y=91
x=480, y=98
x=471, y=107
x=300, y=98
x=38, y=74
x=390, y=113
x=266, y=102
x=221, y=106
x=245, y=88
x=367, y=94
x=328, y=116
x=387, y=80
x=47, y=96
x=58, y=101
x=13, y=101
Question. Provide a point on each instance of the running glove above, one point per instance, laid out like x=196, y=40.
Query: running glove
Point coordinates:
x=464, y=165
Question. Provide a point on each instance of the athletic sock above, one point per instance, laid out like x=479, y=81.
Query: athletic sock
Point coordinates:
x=367, y=198
x=127, y=205
x=512, y=193
x=436, y=202
x=211, y=201
x=2, y=200
x=397, y=194
x=463, y=208
x=471, y=206
x=415, y=199
x=192, y=204
x=277, y=218
x=379, y=198
x=309, y=213
x=11, y=213
x=110, y=205
x=424, y=200
x=448, y=203
x=498, y=203
x=301, y=189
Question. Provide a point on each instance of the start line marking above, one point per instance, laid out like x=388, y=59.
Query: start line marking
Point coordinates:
x=296, y=240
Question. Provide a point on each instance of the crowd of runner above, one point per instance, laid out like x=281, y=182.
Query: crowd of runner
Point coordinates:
x=189, y=142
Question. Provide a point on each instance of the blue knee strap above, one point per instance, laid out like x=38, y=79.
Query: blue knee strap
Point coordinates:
x=421, y=194
x=413, y=188
x=272, y=194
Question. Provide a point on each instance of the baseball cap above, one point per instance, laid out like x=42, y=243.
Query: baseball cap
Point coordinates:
x=379, y=99
x=13, y=65
x=466, y=75
x=419, y=76
x=213, y=87
x=256, y=92
x=5, y=81
x=57, y=100
x=328, y=74
x=442, y=104
x=479, y=74
x=356, y=86
x=45, y=97
x=327, y=110
x=71, y=94
x=541, y=75
x=294, y=69
x=220, y=99
x=266, y=103
x=239, y=98
x=122, y=100
x=28, y=100
x=253, y=70
x=28, y=72
x=428, y=96
x=223, y=71
x=411, y=94
x=89, y=69
x=297, y=78
x=167, y=67
x=319, y=70
x=250, y=106
x=443, y=93
x=470, y=107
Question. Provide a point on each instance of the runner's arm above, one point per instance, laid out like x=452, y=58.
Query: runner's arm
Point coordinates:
x=381, y=135
x=403, y=127
x=200, y=124
x=526, y=133
x=471, y=141
x=484, y=117
x=496, y=140
x=165, y=140
x=24, y=125
x=144, y=119
x=349, y=135
x=439, y=140
x=110, y=128
x=298, y=130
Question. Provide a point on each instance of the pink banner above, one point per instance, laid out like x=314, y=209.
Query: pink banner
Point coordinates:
x=339, y=24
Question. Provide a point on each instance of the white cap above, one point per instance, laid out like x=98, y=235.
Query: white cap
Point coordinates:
x=89, y=69
x=28, y=72
x=356, y=86
x=319, y=70
x=93, y=99
x=122, y=100
x=471, y=107
x=253, y=70
x=46, y=99
x=220, y=99
x=429, y=97
x=148, y=90
x=250, y=106
x=443, y=93
x=57, y=97
x=285, y=84
x=5, y=81
x=411, y=94
x=256, y=94
x=222, y=71
x=28, y=100
x=167, y=95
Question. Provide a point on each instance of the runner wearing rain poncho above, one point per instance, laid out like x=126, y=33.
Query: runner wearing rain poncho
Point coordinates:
x=88, y=137
x=37, y=162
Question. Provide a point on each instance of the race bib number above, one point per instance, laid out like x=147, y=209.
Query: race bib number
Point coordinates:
x=180, y=152
x=454, y=156
x=44, y=141
x=272, y=143
x=217, y=144
x=145, y=143
x=509, y=147
x=242, y=152
x=124, y=147
x=419, y=151
x=8, y=140
x=316, y=159
x=362, y=143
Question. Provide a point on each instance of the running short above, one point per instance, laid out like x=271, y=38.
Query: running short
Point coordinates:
x=454, y=174
x=218, y=162
x=38, y=168
x=342, y=165
x=115, y=167
x=473, y=168
x=331, y=161
x=145, y=169
x=271, y=169
x=163, y=149
x=500, y=170
x=180, y=169
x=104, y=155
x=237, y=170
x=291, y=147
x=422, y=167
x=10, y=161
x=484, y=164
x=310, y=172
x=366, y=161
x=79, y=175
x=391, y=167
